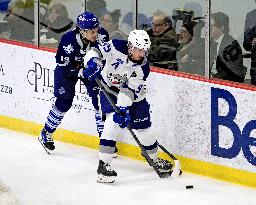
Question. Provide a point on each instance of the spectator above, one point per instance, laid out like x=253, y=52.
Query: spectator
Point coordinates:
x=110, y=22
x=250, y=20
x=98, y=7
x=192, y=11
x=128, y=25
x=250, y=41
x=164, y=40
x=190, y=55
x=58, y=22
x=196, y=7
x=18, y=26
x=226, y=54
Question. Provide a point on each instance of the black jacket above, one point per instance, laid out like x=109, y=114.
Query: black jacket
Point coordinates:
x=229, y=60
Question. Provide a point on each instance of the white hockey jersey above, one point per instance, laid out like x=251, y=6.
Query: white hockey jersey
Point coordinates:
x=120, y=74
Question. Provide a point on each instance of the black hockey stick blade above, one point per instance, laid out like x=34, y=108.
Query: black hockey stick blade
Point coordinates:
x=43, y=146
x=176, y=171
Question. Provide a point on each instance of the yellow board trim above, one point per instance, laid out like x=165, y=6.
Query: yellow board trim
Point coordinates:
x=189, y=165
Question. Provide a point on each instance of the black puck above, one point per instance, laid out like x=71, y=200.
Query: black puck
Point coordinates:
x=189, y=187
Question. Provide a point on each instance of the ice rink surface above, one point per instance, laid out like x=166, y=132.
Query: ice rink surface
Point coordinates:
x=68, y=177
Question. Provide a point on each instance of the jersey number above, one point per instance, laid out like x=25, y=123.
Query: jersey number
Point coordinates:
x=65, y=59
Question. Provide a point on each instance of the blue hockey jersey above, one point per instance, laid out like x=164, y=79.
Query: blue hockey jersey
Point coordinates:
x=71, y=50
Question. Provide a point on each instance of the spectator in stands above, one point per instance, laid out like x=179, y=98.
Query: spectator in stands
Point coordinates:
x=196, y=7
x=250, y=41
x=164, y=40
x=128, y=25
x=190, y=55
x=250, y=20
x=58, y=22
x=110, y=22
x=98, y=7
x=18, y=26
x=226, y=60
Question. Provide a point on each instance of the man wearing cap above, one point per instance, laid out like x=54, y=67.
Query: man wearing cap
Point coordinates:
x=190, y=55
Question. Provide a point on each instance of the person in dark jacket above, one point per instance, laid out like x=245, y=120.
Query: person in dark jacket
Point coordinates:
x=164, y=40
x=250, y=41
x=226, y=54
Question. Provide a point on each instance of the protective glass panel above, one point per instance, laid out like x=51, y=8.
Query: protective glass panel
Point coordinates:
x=176, y=32
x=17, y=20
x=56, y=18
x=115, y=16
x=233, y=37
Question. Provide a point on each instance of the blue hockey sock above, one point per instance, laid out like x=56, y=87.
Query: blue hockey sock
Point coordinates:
x=54, y=119
x=99, y=122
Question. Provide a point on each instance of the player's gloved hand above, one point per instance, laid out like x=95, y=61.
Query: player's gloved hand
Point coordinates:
x=92, y=69
x=123, y=118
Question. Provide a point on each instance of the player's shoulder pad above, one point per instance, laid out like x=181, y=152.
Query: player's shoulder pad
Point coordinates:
x=121, y=46
x=68, y=38
x=69, y=35
x=146, y=70
x=104, y=32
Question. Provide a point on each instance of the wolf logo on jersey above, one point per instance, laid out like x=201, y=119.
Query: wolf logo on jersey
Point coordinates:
x=116, y=79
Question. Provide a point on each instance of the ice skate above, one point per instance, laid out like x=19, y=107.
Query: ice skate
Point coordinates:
x=105, y=173
x=46, y=140
x=115, y=153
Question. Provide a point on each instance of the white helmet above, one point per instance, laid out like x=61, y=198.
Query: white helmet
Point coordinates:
x=139, y=39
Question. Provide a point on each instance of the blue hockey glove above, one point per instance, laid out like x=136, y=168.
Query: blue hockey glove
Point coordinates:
x=123, y=119
x=93, y=69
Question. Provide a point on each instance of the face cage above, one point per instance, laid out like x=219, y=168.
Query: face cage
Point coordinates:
x=142, y=61
x=131, y=47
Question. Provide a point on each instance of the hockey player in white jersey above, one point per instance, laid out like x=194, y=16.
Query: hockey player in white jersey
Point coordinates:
x=123, y=69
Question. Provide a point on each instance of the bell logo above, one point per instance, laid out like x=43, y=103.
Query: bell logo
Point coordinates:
x=241, y=139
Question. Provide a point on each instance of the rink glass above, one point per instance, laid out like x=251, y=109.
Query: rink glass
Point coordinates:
x=22, y=22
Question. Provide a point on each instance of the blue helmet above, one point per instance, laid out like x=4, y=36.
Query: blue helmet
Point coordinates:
x=87, y=21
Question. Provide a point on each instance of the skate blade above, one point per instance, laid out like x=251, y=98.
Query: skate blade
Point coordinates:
x=46, y=150
x=105, y=179
x=114, y=156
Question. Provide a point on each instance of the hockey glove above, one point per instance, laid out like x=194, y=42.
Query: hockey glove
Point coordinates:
x=123, y=118
x=92, y=69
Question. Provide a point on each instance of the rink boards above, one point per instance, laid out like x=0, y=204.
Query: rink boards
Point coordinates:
x=209, y=125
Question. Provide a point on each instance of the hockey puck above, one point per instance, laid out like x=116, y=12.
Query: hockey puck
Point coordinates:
x=189, y=187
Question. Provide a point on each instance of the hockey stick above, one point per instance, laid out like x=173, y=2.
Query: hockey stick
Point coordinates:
x=144, y=152
x=176, y=171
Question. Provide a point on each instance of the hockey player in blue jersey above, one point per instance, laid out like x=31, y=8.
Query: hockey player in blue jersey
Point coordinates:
x=69, y=59
x=123, y=69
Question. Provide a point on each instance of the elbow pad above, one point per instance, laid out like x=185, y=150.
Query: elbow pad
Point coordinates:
x=92, y=53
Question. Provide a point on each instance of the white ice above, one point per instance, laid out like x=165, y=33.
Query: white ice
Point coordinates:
x=68, y=177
